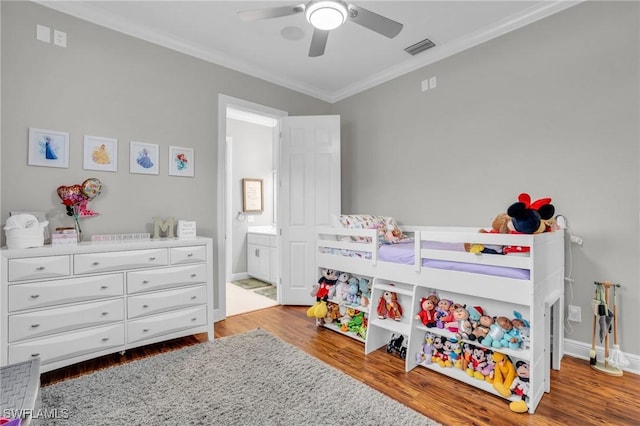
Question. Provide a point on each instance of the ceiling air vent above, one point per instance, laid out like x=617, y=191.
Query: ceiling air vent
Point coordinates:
x=420, y=46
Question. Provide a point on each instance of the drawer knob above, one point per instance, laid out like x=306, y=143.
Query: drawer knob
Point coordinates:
x=104, y=287
x=37, y=354
x=104, y=339
x=145, y=282
x=194, y=319
x=152, y=258
x=145, y=306
x=35, y=296
x=95, y=263
x=35, y=325
x=193, y=275
x=104, y=314
x=40, y=268
x=145, y=330
x=194, y=297
x=190, y=255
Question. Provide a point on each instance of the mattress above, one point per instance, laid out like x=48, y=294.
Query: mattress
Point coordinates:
x=404, y=253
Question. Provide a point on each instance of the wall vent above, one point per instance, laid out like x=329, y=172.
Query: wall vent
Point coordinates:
x=420, y=46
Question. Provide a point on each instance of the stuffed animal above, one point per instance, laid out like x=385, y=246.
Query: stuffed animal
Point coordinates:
x=460, y=324
x=498, y=336
x=423, y=356
x=520, y=387
x=437, y=354
x=443, y=312
x=504, y=374
x=427, y=312
x=325, y=283
x=352, y=294
x=465, y=356
x=478, y=366
x=365, y=291
x=388, y=306
x=527, y=218
x=499, y=225
x=342, y=286
x=333, y=313
x=391, y=235
x=481, y=328
x=523, y=329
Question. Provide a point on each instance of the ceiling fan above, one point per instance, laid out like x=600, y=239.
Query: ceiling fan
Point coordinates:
x=326, y=15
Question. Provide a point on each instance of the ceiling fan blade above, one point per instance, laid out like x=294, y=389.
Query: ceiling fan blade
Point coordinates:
x=318, y=43
x=378, y=23
x=274, y=12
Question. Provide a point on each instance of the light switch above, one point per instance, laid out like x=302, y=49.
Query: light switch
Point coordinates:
x=432, y=82
x=43, y=33
x=60, y=38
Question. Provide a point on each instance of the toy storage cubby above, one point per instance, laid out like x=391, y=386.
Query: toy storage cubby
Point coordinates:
x=382, y=329
x=455, y=347
x=350, y=317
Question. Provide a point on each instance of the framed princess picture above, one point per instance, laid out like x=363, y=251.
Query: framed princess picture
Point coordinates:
x=100, y=154
x=143, y=158
x=181, y=161
x=48, y=148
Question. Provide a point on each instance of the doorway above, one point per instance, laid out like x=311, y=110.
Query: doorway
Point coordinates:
x=248, y=150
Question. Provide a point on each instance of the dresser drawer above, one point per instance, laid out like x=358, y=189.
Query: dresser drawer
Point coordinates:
x=171, y=322
x=33, y=268
x=158, y=279
x=48, y=293
x=102, y=262
x=193, y=254
x=162, y=301
x=68, y=345
x=58, y=320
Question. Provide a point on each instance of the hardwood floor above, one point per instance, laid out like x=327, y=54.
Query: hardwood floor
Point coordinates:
x=579, y=395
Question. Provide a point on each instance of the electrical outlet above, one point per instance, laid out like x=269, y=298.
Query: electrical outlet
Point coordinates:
x=575, y=314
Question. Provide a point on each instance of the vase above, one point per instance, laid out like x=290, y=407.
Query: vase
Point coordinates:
x=76, y=225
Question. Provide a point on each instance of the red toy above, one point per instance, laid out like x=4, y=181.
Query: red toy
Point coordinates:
x=388, y=306
x=428, y=310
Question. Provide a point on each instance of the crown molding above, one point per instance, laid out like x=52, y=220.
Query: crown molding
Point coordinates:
x=88, y=11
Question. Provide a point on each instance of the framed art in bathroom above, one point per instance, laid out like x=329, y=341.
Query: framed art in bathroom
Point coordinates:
x=252, y=195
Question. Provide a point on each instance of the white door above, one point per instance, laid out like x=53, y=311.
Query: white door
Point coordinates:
x=309, y=196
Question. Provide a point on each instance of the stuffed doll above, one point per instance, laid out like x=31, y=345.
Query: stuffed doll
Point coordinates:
x=523, y=329
x=352, y=294
x=479, y=367
x=465, y=356
x=342, y=286
x=526, y=218
x=438, y=355
x=427, y=312
x=499, y=225
x=504, y=374
x=333, y=313
x=388, y=306
x=520, y=387
x=365, y=292
x=325, y=284
x=481, y=328
x=443, y=312
x=426, y=351
x=460, y=324
x=499, y=333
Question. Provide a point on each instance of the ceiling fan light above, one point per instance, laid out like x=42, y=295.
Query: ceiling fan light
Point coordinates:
x=326, y=15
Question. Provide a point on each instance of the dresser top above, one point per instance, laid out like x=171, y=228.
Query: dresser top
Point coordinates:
x=104, y=246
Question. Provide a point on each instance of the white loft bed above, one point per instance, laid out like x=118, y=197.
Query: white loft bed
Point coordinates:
x=537, y=292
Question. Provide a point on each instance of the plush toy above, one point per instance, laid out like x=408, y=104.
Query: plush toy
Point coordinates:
x=388, y=306
x=443, y=312
x=325, y=283
x=478, y=366
x=333, y=313
x=520, y=387
x=499, y=225
x=423, y=356
x=524, y=330
x=504, y=374
x=365, y=291
x=465, y=356
x=462, y=325
x=499, y=334
x=427, y=312
x=352, y=294
x=391, y=235
x=342, y=286
x=481, y=328
x=437, y=354
x=527, y=218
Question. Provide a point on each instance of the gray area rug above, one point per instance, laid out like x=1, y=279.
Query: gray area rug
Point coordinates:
x=250, y=284
x=249, y=379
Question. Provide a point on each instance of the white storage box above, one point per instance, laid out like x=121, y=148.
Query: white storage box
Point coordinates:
x=24, y=231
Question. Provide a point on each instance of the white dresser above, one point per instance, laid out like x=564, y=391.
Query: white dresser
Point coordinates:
x=69, y=304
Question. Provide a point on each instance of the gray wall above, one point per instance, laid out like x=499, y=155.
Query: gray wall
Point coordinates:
x=252, y=158
x=551, y=109
x=110, y=84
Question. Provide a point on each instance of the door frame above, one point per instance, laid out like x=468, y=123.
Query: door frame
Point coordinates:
x=224, y=214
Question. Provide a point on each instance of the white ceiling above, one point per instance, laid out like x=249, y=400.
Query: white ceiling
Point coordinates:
x=355, y=58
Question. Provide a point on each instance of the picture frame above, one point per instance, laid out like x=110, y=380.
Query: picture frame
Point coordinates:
x=144, y=158
x=181, y=161
x=252, y=195
x=100, y=154
x=48, y=148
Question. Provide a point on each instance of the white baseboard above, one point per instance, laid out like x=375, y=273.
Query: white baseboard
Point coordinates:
x=581, y=350
x=240, y=276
